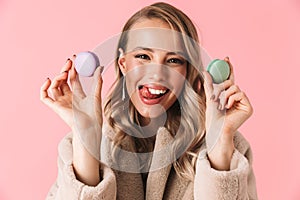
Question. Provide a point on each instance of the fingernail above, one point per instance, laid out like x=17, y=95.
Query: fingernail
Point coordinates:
x=227, y=57
x=67, y=60
x=74, y=55
x=220, y=107
x=212, y=97
x=227, y=106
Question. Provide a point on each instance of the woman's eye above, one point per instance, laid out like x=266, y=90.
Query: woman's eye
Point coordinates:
x=176, y=61
x=142, y=56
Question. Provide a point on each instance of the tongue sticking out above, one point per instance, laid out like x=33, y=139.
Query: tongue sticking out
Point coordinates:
x=146, y=93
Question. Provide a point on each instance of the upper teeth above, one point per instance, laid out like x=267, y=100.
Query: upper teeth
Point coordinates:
x=153, y=91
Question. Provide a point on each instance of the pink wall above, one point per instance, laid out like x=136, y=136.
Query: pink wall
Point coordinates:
x=36, y=37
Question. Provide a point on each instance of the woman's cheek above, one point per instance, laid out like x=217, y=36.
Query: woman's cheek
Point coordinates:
x=179, y=86
x=136, y=62
x=179, y=80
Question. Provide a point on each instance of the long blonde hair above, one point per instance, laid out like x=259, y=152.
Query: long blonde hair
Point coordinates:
x=186, y=117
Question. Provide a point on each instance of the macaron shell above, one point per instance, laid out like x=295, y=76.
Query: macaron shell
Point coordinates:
x=219, y=70
x=86, y=63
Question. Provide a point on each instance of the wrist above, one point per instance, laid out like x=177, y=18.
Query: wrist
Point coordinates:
x=221, y=154
x=86, y=166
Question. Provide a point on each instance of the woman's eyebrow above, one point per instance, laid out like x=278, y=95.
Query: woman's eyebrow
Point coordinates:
x=177, y=53
x=168, y=53
x=143, y=48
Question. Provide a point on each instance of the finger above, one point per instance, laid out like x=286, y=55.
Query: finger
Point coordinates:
x=98, y=88
x=75, y=82
x=64, y=83
x=56, y=83
x=218, y=88
x=44, y=97
x=208, y=86
x=226, y=94
x=64, y=86
x=67, y=66
x=98, y=81
x=240, y=100
x=231, y=77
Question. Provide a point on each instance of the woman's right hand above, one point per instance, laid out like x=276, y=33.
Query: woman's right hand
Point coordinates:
x=83, y=113
x=70, y=102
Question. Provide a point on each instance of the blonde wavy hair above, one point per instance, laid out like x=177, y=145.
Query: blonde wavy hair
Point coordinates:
x=186, y=117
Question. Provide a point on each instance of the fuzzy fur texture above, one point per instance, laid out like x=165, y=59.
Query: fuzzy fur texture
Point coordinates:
x=209, y=184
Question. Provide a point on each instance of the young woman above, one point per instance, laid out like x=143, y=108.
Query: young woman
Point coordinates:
x=169, y=131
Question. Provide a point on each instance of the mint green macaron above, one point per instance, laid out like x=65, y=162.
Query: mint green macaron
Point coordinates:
x=219, y=70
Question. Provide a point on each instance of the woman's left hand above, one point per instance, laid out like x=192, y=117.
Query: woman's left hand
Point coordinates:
x=227, y=108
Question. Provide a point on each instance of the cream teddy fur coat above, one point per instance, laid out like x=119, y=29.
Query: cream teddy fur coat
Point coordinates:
x=209, y=184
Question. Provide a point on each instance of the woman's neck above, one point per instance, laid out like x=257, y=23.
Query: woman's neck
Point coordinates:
x=151, y=125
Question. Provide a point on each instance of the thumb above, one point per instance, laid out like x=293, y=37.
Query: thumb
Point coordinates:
x=98, y=81
x=98, y=88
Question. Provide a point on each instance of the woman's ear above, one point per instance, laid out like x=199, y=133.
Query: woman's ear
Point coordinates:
x=122, y=61
x=198, y=85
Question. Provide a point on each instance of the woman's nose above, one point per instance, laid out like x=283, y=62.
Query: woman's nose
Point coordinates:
x=157, y=71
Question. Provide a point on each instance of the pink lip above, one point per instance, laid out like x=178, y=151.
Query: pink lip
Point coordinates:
x=156, y=87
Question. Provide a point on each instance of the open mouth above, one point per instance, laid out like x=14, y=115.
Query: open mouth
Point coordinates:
x=152, y=94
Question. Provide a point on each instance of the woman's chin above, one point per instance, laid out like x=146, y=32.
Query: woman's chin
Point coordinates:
x=153, y=111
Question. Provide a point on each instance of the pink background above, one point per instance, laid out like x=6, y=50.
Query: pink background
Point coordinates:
x=36, y=37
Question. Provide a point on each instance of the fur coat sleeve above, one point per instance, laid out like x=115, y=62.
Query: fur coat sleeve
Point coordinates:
x=67, y=187
x=209, y=184
x=238, y=183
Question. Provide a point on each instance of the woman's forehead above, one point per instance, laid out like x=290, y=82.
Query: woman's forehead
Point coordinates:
x=155, y=38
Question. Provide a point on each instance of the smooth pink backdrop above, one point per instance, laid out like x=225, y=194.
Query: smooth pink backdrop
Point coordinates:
x=36, y=37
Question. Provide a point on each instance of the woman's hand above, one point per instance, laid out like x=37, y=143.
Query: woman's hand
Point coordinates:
x=227, y=109
x=83, y=113
x=71, y=103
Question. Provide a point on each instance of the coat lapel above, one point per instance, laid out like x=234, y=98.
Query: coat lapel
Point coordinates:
x=160, y=166
x=129, y=185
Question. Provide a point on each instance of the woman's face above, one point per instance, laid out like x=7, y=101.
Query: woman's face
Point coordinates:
x=154, y=66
